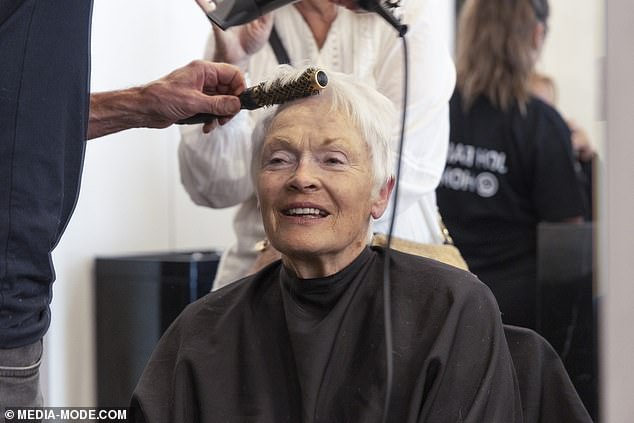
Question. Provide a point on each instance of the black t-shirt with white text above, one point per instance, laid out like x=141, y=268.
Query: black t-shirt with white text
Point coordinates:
x=506, y=172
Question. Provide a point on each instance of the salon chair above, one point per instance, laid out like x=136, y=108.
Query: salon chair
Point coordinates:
x=547, y=393
x=566, y=312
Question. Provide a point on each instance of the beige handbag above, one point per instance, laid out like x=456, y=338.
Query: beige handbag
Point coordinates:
x=445, y=252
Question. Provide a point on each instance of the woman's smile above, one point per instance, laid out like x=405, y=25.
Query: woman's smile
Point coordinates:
x=315, y=183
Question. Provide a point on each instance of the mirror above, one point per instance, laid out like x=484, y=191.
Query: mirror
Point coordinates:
x=566, y=285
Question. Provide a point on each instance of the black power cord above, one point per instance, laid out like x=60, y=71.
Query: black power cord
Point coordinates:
x=387, y=305
x=379, y=7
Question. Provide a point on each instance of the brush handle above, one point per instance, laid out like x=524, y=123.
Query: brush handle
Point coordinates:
x=199, y=118
x=309, y=82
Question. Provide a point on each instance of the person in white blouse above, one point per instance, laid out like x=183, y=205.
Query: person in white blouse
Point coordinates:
x=214, y=167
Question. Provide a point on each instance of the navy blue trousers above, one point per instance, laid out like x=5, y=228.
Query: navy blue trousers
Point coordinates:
x=44, y=100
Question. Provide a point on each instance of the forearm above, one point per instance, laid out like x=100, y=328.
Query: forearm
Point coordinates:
x=115, y=111
x=199, y=87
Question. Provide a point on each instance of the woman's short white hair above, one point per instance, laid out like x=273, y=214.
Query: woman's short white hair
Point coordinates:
x=370, y=112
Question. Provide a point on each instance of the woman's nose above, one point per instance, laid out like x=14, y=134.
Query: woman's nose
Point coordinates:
x=305, y=177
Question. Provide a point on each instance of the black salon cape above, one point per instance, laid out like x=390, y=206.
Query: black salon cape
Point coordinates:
x=235, y=354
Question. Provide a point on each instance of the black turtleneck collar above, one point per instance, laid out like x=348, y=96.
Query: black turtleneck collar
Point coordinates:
x=316, y=296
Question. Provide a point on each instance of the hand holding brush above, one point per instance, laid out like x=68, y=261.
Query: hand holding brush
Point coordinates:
x=292, y=86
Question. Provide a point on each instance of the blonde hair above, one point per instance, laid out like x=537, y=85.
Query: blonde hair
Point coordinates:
x=495, y=50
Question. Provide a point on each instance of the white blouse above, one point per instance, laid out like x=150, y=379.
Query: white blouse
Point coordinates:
x=215, y=167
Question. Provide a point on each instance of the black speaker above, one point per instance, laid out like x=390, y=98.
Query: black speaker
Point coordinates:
x=137, y=298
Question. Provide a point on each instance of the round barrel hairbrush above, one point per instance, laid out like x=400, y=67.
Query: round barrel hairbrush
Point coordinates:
x=291, y=86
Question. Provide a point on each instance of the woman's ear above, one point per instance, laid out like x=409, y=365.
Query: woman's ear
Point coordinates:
x=380, y=203
x=539, y=35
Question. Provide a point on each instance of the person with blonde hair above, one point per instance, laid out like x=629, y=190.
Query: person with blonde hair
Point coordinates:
x=510, y=163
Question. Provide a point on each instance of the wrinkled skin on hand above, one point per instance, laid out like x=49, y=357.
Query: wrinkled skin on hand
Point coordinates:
x=199, y=87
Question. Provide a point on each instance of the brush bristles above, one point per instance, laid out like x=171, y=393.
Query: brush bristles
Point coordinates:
x=286, y=88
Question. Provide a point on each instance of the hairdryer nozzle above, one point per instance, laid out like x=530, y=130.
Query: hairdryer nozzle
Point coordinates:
x=228, y=13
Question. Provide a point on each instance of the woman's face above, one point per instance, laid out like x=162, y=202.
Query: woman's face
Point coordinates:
x=315, y=183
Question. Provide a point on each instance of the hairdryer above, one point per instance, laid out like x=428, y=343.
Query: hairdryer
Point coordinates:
x=228, y=13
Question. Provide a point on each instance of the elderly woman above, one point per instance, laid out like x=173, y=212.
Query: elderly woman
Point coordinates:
x=214, y=167
x=302, y=340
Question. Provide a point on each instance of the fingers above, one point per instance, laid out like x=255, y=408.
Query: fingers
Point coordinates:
x=200, y=87
x=222, y=78
x=210, y=126
x=231, y=77
x=581, y=142
x=207, y=6
x=223, y=105
x=215, y=104
x=583, y=149
x=264, y=21
x=256, y=32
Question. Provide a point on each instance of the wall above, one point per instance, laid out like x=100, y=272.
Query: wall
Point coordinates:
x=573, y=57
x=616, y=229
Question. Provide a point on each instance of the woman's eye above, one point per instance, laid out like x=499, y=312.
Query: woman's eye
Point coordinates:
x=335, y=159
x=278, y=159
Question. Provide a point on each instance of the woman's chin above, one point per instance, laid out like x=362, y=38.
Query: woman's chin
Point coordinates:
x=301, y=249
